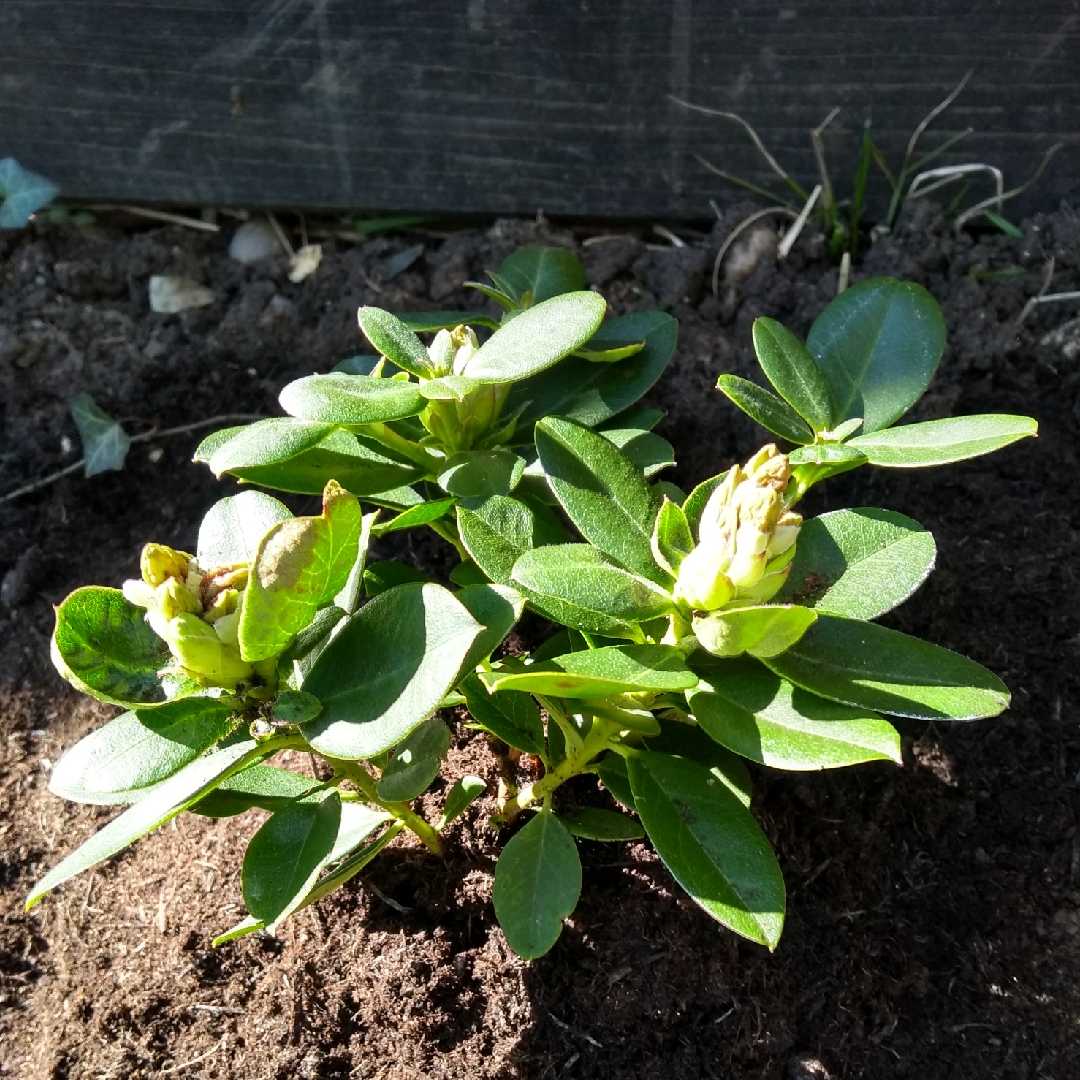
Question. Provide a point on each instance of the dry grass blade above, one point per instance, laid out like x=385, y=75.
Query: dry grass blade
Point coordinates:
x=978, y=208
x=157, y=215
x=755, y=137
x=819, y=153
x=1029, y=307
x=748, y=185
x=792, y=235
x=734, y=234
x=932, y=115
x=843, y=276
x=946, y=174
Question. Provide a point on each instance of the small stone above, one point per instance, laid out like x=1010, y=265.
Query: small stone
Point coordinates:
x=254, y=240
x=805, y=1067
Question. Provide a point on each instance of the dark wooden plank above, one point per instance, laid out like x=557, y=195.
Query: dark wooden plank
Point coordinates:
x=514, y=106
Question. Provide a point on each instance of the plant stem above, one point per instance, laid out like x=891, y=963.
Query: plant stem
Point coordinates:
x=599, y=739
x=450, y=535
x=406, y=447
x=365, y=784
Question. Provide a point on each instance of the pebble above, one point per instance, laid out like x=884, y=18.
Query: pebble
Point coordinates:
x=254, y=240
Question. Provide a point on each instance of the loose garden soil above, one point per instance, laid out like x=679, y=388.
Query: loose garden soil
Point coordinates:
x=934, y=909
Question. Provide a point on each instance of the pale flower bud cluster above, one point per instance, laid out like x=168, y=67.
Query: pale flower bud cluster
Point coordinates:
x=451, y=350
x=746, y=539
x=197, y=614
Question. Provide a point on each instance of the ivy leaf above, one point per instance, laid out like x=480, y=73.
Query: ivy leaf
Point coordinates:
x=105, y=443
x=22, y=193
x=537, y=885
x=301, y=564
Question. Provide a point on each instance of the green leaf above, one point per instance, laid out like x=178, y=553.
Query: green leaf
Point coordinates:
x=752, y=711
x=858, y=563
x=395, y=341
x=614, y=669
x=389, y=573
x=612, y=774
x=22, y=193
x=610, y=356
x=765, y=630
x=478, y=474
x=1004, y=224
x=497, y=608
x=348, y=597
x=157, y=806
x=301, y=564
x=690, y=741
x=297, y=660
x=104, y=647
x=711, y=844
x=114, y=762
x=603, y=492
x=415, y=762
x=869, y=666
x=460, y=797
x=594, y=823
x=591, y=393
x=827, y=454
x=647, y=451
x=294, y=707
x=508, y=715
x=232, y=528
x=792, y=371
x=387, y=670
x=766, y=409
x=105, y=443
x=427, y=322
x=940, y=442
x=637, y=418
x=264, y=786
x=537, y=338
x=671, y=540
x=286, y=856
x=574, y=585
x=878, y=345
x=423, y=514
x=537, y=885
x=300, y=456
x=497, y=531
x=451, y=388
x=338, y=398
x=541, y=272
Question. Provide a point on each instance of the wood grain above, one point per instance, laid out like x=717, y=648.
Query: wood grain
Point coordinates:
x=513, y=106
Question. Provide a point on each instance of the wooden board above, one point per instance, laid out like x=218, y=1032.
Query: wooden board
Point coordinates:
x=512, y=106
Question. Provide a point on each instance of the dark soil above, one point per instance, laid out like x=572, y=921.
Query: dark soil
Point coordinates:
x=934, y=910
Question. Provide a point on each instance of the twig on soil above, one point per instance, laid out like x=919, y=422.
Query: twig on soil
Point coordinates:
x=788, y=242
x=146, y=436
x=158, y=215
x=217, y=1010
x=280, y=233
x=388, y=900
x=195, y=1061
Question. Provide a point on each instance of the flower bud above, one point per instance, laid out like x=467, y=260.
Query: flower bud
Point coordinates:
x=222, y=579
x=465, y=344
x=175, y=598
x=199, y=650
x=158, y=562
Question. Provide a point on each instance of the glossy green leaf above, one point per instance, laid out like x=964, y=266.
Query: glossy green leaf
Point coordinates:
x=387, y=671
x=537, y=338
x=537, y=885
x=263, y=786
x=690, y=741
x=591, y=393
x=867, y=665
x=574, y=585
x=610, y=356
x=603, y=493
x=711, y=844
x=595, y=823
x=232, y=528
x=636, y=418
x=765, y=630
x=301, y=564
x=509, y=715
x=793, y=372
x=299, y=658
x=286, y=856
x=104, y=647
x=497, y=608
x=498, y=530
x=348, y=597
x=423, y=514
x=940, y=442
x=389, y=573
x=858, y=563
x=427, y=322
x=157, y=806
x=772, y=413
x=294, y=707
x=105, y=443
x=878, y=345
x=338, y=398
x=127, y=754
x=415, y=762
x=394, y=340
x=827, y=454
x=671, y=540
x=460, y=797
x=752, y=711
x=647, y=451
x=612, y=774
x=539, y=273
x=614, y=669
x=302, y=457
x=478, y=474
